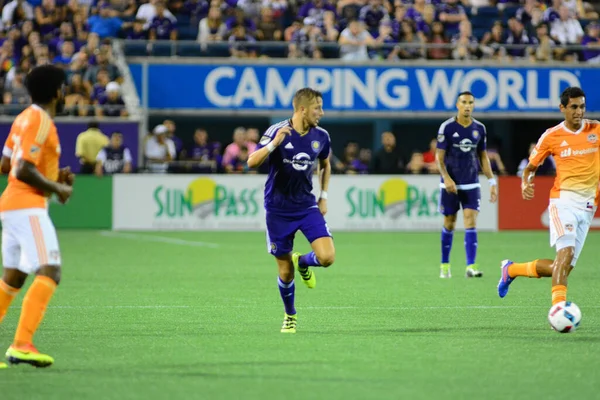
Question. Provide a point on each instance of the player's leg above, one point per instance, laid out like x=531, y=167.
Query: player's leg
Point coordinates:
x=12, y=279
x=448, y=207
x=280, y=241
x=39, y=245
x=316, y=231
x=471, y=201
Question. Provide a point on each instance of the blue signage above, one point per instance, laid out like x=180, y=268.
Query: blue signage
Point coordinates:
x=362, y=88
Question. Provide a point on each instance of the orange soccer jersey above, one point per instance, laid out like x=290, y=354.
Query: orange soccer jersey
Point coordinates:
x=33, y=138
x=577, y=163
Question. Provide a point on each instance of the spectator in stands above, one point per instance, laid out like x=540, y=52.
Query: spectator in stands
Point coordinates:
x=124, y=9
x=305, y=41
x=114, y=158
x=47, y=17
x=518, y=36
x=452, y=14
x=278, y=6
x=239, y=19
x=252, y=136
x=239, y=164
x=415, y=12
x=204, y=154
x=105, y=25
x=389, y=49
x=465, y=44
x=79, y=65
x=350, y=154
x=329, y=30
x=147, y=12
x=171, y=128
x=24, y=66
x=414, y=50
x=161, y=26
x=548, y=167
x=268, y=28
x=16, y=12
x=88, y=145
x=159, y=150
x=416, y=165
x=110, y=103
x=212, y=28
x=387, y=160
x=372, y=15
x=15, y=92
x=315, y=9
x=354, y=41
x=241, y=44
x=135, y=31
x=545, y=51
x=566, y=30
x=525, y=13
x=233, y=150
x=493, y=43
x=196, y=10
x=77, y=97
x=66, y=33
x=102, y=63
x=67, y=49
x=251, y=8
x=429, y=157
x=591, y=54
x=438, y=37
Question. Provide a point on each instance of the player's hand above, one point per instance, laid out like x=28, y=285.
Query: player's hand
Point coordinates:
x=493, y=193
x=322, y=204
x=527, y=191
x=66, y=176
x=63, y=192
x=281, y=134
x=450, y=185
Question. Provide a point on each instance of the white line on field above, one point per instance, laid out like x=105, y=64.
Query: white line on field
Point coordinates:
x=221, y=307
x=160, y=239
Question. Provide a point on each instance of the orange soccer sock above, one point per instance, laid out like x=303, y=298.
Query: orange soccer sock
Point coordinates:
x=559, y=293
x=34, y=306
x=523, y=269
x=7, y=295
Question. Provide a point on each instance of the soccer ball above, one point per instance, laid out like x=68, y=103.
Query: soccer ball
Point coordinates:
x=564, y=317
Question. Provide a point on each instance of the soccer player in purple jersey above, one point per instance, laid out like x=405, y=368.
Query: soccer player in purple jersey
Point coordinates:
x=295, y=148
x=461, y=145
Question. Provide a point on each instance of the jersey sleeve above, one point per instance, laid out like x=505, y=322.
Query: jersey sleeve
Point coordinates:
x=127, y=156
x=9, y=145
x=268, y=136
x=35, y=133
x=442, y=141
x=542, y=149
x=482, y=144
x=324, y=153
x=101, y=156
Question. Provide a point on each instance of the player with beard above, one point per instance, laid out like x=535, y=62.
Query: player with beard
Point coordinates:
x=294, y=148
x=29, y=241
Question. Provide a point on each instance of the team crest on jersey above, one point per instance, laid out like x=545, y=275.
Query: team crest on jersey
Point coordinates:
x=34, y=151
x=264, y=140
x=592, y=138
x=441, y=137
x=475, y=134
x=316, y=146
x=569, y=227
x=273, y=247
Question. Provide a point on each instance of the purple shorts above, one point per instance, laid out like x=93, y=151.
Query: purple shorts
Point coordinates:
x=281, y=229
x=451, y=203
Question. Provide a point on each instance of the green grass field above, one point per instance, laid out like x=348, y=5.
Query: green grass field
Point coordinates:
x=197, y=316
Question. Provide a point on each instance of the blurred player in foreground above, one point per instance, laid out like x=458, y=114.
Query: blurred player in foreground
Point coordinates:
x=29, y=242
x=294, y=148
x=573, y=199
x=461, y=144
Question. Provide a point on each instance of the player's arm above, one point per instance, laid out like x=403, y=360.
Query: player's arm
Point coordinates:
x=440, y=157
x=324, y=175
x=536, y=158
x=5, y=165
x=266, y=146
x=7, y=153
x=27, y=172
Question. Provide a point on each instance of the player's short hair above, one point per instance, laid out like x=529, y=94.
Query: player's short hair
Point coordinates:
x=93, y=125
x=571, y=92
x=306, y=95
x=465, y=93
x=44, y=82
x=116, y=133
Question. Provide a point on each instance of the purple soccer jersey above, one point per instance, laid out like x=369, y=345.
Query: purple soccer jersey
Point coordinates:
x=462, y=145
x=289, y=203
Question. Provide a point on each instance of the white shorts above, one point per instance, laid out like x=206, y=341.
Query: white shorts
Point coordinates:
x=29, y=240
x=569, y=227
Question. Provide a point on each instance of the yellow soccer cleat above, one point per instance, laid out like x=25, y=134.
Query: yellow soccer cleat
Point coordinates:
x=28, y=355
x=307, y=274
x=3, y=365
x=289, y=323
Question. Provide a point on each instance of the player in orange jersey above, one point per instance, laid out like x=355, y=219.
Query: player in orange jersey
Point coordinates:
x=29, y=242
x=574, y=146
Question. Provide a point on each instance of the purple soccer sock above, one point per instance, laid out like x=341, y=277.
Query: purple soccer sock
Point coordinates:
x=308, y=260
x=471, y=245
x=287, y=292
x=446, y=245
